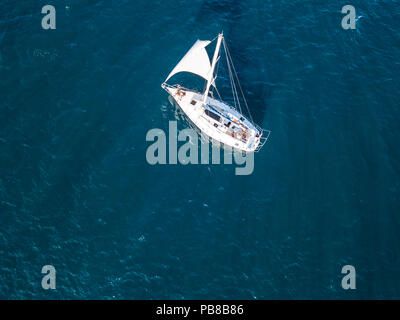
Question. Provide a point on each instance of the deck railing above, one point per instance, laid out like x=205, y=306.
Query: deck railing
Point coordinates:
x=263, y=139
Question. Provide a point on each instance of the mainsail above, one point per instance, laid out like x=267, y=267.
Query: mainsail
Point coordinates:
x=195, y=61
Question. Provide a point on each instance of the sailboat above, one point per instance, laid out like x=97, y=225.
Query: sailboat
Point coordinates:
x=218, y=120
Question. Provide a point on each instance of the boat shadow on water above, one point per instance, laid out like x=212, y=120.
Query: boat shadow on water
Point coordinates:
x=260, y=92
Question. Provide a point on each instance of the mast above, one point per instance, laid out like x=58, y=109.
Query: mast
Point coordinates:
x=214, y=61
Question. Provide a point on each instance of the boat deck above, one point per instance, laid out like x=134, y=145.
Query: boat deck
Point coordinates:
x=218, y=120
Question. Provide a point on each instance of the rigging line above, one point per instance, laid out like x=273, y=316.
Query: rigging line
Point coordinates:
x=217, y=67
x=241, y=90
x=240, y=87
x=218, y=93
x=234, y=91
x=215, y=84
x=213, y=39
x=237, y=79
x=231, y=79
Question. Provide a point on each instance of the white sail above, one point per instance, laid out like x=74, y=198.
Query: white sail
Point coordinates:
x=196, y=61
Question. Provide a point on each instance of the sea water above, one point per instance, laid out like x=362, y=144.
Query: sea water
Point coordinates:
x=77, y=193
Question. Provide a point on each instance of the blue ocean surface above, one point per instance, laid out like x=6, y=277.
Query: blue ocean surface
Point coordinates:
x=76, y=191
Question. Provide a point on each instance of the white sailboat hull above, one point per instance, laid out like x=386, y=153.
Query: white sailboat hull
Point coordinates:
x=218, y=120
